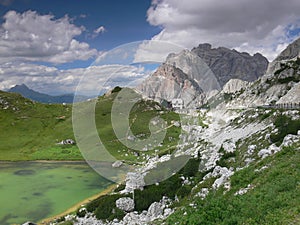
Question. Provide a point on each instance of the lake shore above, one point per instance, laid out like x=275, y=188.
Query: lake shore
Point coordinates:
x=76, y=206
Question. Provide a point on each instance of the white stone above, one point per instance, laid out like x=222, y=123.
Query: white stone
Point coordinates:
x=155, y=210
x=126, y=204
x=117, y=164
x=251, y=149
x=134, y=181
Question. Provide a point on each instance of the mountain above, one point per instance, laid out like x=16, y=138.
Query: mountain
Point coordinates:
x=205, y=69
x=291, y=52
x=244, y=158
x=44, y=98
x=169, y=82
x=227, y=64
x=280, y=85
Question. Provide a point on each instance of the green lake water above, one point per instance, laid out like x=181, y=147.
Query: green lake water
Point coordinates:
x=31, y=191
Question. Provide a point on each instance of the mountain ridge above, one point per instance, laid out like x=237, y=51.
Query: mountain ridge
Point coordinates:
x=26, y=92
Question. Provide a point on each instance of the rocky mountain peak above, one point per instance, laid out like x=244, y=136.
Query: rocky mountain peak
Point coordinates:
x=227, y=64
x=169, y=82
x=291, y=52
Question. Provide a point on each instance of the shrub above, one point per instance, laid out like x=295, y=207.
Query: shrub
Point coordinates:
x=285, y=126
x=116, y=89
x=183, y=191
x=105, y=208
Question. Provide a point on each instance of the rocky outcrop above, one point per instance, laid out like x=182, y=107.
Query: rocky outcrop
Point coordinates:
x=227, y=64
x=291, y=52
x=170, y=82
x=126, y=204
x=134, y=181
x=235, y=85
x=196, y=69
x=194, y=76
x=292, y=96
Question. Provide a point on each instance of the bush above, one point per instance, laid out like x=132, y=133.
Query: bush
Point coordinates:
x=170, y=187
x=116, y=89
x=191, y=168
x=285, y=126
x=185, y=190
x=81, y=213
x=105, y=208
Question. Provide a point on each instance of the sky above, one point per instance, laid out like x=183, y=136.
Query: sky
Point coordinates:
x=50, y=44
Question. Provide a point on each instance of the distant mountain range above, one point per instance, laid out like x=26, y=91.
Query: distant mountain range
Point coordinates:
x=44, y=98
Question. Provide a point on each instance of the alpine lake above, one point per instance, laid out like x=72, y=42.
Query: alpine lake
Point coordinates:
x=32, y=191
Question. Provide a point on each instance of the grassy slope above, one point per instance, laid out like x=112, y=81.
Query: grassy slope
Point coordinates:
x=274, y=199
x=30, y=130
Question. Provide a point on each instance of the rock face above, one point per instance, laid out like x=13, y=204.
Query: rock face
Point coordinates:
x=126, y=204
x=292, y=96
x=227, y=64
x=169, y=83
x=196, y=68
x=291, y=52
x=195, y=75
x=134, y=181
x=235, y=85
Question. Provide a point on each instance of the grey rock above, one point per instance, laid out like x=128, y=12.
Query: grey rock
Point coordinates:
x=235, y=85
x=134, y=181
x=227, y=64
x=117, y=164
x=291, y=52
x=126, y=204
x=155, y=210
x=169, y=83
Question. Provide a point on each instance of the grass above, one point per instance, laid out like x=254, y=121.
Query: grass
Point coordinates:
x=274, y=200
x=32, y=130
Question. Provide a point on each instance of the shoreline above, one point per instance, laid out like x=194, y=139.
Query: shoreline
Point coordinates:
x=73, y=208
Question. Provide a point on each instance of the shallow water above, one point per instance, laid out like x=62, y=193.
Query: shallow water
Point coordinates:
x=31, y=191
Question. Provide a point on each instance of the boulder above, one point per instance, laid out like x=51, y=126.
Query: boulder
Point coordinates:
x=134, y=181
x=155, y=210
x=126, y=204
x=117, y=164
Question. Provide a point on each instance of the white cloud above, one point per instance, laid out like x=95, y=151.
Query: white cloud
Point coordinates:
x=50, y=80
x=246, y=25
x=100, y=30
x=97, y=32
x=33, y=37
x=155, y=51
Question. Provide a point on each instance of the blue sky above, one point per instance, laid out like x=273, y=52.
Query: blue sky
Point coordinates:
x=50, y=44
x=124, y=21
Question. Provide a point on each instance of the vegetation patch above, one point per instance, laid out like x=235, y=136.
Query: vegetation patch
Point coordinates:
x=285, y=126
x=274, y=199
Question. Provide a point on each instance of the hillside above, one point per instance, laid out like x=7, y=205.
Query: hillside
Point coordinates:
x=39, y=128
x=32, y=129
x=243, y=166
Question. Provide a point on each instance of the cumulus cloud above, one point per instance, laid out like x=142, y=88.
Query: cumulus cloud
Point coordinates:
x=253, y=26
x=50, y=80
x=33, y=37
